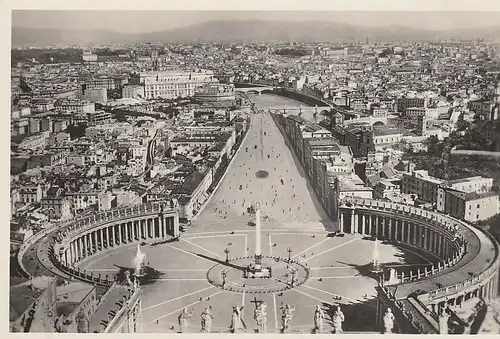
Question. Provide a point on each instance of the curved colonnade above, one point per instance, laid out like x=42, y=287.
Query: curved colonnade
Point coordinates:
x=465, y=265
x=466, y=260
x=72, y=242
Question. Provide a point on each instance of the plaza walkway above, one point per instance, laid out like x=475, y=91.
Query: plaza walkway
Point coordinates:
x=286, y=198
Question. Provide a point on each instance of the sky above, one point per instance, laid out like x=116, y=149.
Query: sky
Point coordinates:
x=137, y=21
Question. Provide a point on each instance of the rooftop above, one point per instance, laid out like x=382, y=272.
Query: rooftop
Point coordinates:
x=24, y=292
x=70, y=296
x=459, y=181
x=468, y=196
x=108, y=307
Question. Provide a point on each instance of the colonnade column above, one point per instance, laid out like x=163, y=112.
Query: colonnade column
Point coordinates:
x=414, y=229
x=111, y=233
x=370, y=220
x=439, y=242
x=341, y=225
x=434, y=241
x=133, y=225
x=77, y=249
x=72, y=251
x=352, y=221
x=106, y=236
x=175, y=225
x=64, y=258
x=421, y=237
x=126, y=232
x=383, y=226
x=396, y=226
x=389, y=221
x=363, y=224
x=120, y=233
x=376, y=226
x=85, y=246
x=425, y=238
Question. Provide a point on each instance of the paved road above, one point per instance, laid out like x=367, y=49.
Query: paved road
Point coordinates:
x=286, y=198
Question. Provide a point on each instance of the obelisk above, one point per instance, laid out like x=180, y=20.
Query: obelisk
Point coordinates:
x=258, y=253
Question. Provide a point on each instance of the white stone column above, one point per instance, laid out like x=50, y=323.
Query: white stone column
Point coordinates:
x=126, y=232
x=85, y=246
x=111, y=235
x=377, y=226
x=356, y=223
x=439, y=245
x=79, y=242
x=175, y=225
x=363, y=224
x=389, y=219
x=120, y=233
x=370, y=222
x=162, y=227
x=73, y=251
x=434, y=241
x=384, y=222
x=341, y=225
x=352, y=222
x=396, y=226
x=94, y=241
x=416, y=232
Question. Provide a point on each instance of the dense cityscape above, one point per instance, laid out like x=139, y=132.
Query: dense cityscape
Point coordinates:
x=284, y=187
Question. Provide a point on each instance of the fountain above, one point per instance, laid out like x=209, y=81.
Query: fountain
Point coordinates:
x=375, y=265
x=139, y=263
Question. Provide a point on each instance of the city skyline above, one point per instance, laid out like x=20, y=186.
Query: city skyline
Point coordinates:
x=140, y=21
x=201, y=171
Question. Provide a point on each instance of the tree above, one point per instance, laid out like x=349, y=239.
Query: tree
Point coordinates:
x=433, y=146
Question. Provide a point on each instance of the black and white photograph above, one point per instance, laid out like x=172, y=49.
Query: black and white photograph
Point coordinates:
x=254, y=171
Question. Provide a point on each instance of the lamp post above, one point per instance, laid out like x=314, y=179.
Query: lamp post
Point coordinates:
x=227, y=254
x=289, y=250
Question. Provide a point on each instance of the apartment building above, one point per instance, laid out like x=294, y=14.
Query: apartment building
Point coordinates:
x=471, y=206
x=422, y=184
x=215, y=93
x=75, y=106
x=133, y=91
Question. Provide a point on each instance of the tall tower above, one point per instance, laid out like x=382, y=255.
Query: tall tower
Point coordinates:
x=422, y=125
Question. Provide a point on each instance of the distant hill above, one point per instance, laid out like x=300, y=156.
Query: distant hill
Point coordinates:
x=250, y=31
x=46, y=37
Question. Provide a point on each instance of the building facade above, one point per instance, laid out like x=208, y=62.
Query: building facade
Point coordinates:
x=171, y=84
